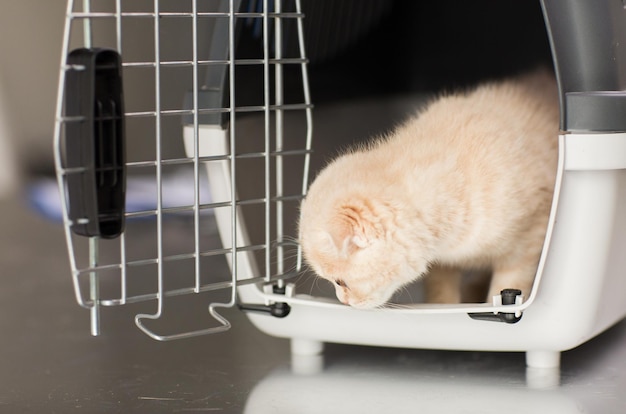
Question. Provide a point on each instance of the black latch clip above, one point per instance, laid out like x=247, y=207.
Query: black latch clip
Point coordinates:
x=276, y=309
x=509, y=297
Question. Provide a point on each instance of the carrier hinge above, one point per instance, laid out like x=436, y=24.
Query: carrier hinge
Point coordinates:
x=507, y=297
x=276, y=309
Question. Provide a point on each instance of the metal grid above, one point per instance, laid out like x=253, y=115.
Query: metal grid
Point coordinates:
x=167, y=48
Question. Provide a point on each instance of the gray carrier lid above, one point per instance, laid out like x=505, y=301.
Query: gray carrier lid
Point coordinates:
x=588, y=40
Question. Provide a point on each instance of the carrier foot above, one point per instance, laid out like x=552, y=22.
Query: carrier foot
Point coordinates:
x=543, y=378
x=306, y=347
x=543, y=359
x=307, y=356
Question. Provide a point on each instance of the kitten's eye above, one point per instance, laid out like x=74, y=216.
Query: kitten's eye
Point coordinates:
x=341, y=283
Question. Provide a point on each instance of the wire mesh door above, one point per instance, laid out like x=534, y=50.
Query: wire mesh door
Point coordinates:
x=178, y=121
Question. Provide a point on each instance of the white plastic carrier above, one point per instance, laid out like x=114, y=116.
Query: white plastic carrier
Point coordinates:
x=580, y=286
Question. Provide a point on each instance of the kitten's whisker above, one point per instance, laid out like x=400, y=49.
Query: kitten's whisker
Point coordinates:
x=408, y=292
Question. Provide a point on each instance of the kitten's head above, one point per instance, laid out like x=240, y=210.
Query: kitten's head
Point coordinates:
x=354, y=244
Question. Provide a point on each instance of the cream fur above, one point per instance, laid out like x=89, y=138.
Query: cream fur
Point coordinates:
x=465, y=184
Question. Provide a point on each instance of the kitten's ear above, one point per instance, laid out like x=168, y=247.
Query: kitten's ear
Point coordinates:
x=351, y=231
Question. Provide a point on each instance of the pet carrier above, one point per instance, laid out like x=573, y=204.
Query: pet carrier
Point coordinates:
x=579, y=289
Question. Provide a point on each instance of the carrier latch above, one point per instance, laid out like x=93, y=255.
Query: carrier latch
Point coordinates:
x=507, y=297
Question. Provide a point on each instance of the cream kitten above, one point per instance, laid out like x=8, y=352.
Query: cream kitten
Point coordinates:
x=466, y=184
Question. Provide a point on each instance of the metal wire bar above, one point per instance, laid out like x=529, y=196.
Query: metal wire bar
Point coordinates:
x=87, y=35
x=233, y=172
x=159, y=176
x=94, y=287
x=309, y=117
x=123, y=272
x=118, y=25
x=94, y=291
x=238, y=62
x=152, y=15
x=252, y=108
x=266, y=133
x=188, y=63
x=196, y=150
x=159, y=166
x=279, y=120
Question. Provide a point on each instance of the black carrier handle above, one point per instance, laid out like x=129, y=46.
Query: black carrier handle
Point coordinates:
x=94, y=142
